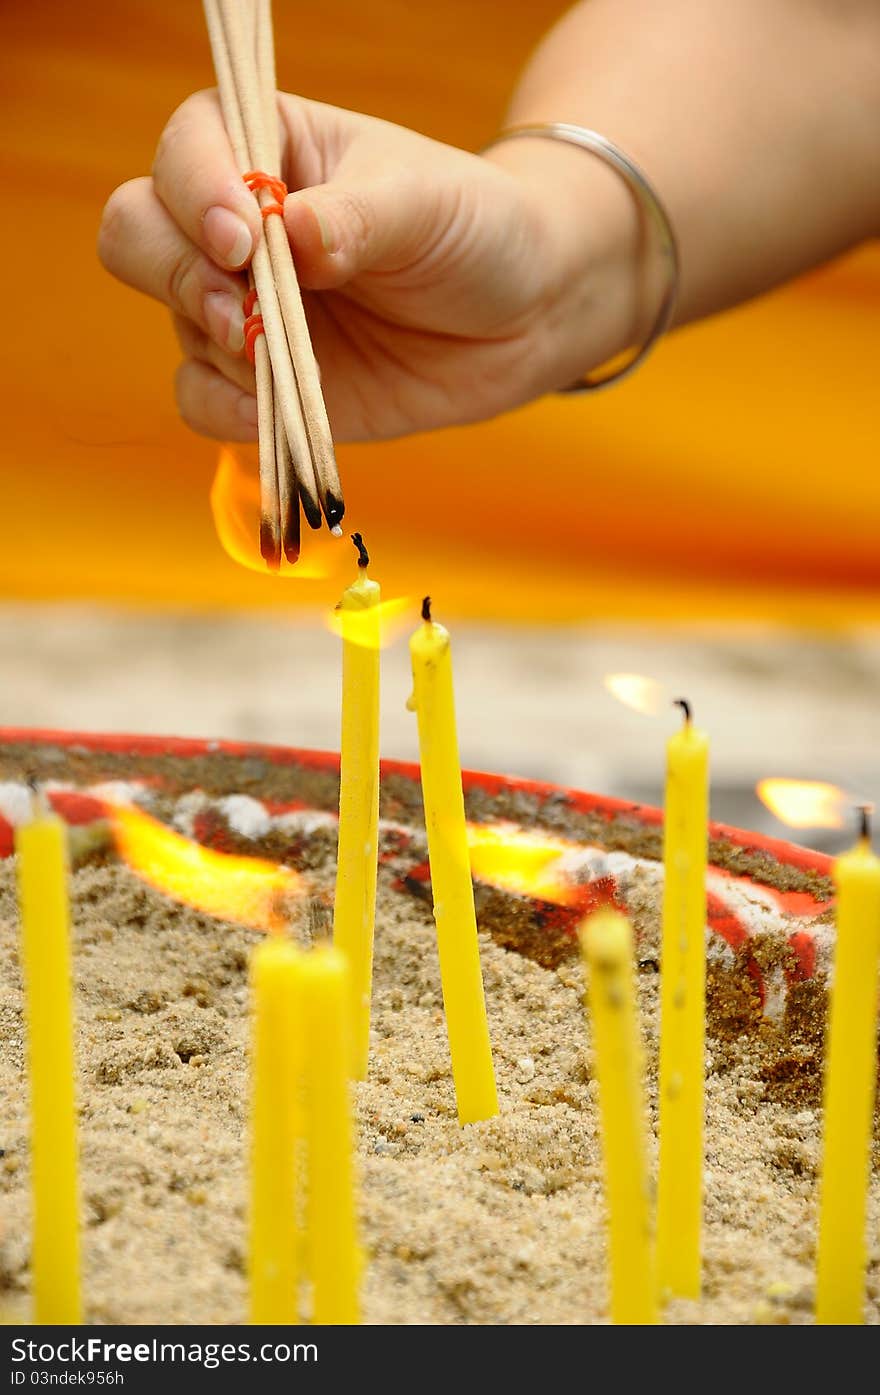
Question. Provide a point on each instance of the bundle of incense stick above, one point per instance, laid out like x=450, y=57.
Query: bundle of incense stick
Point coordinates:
x=297, y=463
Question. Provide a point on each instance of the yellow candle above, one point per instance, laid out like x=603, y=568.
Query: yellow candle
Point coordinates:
x=275, y=1071
x=46, y=959
x=850, y=1079
x=607, y=947
x=453, y=891
x=355, y=905
x=334, y=1256
x=683, y=1013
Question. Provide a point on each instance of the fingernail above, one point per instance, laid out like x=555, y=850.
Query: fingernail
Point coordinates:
x=247, y=408
x=228, y=237
x=225, y=320
x=328, y=237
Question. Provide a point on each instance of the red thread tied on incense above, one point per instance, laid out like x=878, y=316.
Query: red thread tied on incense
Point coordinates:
x=257, y=180
x=253, y=324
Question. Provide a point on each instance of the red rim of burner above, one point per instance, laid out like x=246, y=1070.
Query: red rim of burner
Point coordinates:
x=122, y=743
x=799, y=892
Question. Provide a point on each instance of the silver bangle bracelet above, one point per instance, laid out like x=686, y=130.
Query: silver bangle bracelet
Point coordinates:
x=655, y=216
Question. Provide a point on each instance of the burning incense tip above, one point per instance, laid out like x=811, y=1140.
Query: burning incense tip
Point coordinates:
x=336, y=531
x=334, y=510
x=311, y=508
x=270, y=549
x=685, y=707
x=363, y=554
x=426, y=609
x=290, y=526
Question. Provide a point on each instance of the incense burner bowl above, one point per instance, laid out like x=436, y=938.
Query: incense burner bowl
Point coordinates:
x=770, y=903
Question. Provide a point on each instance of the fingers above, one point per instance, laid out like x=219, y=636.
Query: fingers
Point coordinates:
x=141, y=245
x=215, y=391
x=196, y=344
x=352, y=202
x=213, y=406
x=348, y=226
x=196, y=178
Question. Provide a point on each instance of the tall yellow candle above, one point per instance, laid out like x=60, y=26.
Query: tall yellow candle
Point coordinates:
x=334, y=1256
x=457, y=942
x=275, y=1072
x=850, y=1082
x=683, y=1013
x=607, y=947
x=41, y=846
x=355, y=905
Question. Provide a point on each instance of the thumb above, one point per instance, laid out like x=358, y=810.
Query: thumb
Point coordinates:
x=347, y=226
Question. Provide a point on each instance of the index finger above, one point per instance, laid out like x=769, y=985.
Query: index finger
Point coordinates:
x=197, y=179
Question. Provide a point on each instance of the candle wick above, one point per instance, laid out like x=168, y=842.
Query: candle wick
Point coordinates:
x=426, y=610
x=39, y=802
x=363, y=554
x=685, y=707
x=865, y=811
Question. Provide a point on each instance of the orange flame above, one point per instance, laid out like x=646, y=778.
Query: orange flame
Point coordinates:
x=235, y=504
x=803, y=803
x=643, y=695
x=373, y=628
x=248, y=890
x=520, y=860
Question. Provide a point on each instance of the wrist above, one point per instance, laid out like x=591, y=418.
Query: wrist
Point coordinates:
x=599, y=290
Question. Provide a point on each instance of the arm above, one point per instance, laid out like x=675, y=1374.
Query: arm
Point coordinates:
x=758, y=122
x=443, y=287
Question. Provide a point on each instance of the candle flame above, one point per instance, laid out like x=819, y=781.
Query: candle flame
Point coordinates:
x=524, y=861
x=248, y=890
x=642, y=694
x=803, y=803
x=374, y=627
x=235, y=505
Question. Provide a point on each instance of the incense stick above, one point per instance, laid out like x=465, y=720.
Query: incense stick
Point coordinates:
x=252, y=154
x=274, y=452
x=270, y=522
x=290, y=297
x=264, y=48
x=251, y=86
x=306, y=367
x=228, y=39
x=288, y=493
x=270, y=500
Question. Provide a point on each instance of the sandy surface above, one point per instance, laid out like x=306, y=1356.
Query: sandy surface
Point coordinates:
x=498, y=1222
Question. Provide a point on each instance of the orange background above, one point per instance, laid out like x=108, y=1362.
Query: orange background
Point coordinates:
x=735, y=474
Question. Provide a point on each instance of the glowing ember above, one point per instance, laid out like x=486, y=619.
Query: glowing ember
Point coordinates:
x=643, y=695
x=521, y=860
x=803, y=803
x=375, y=627
x=235, y=504
x=247, y=890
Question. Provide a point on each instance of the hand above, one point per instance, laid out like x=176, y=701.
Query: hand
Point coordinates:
x=440, y=287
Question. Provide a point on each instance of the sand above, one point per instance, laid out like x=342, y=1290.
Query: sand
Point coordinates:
x=501, y=1222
